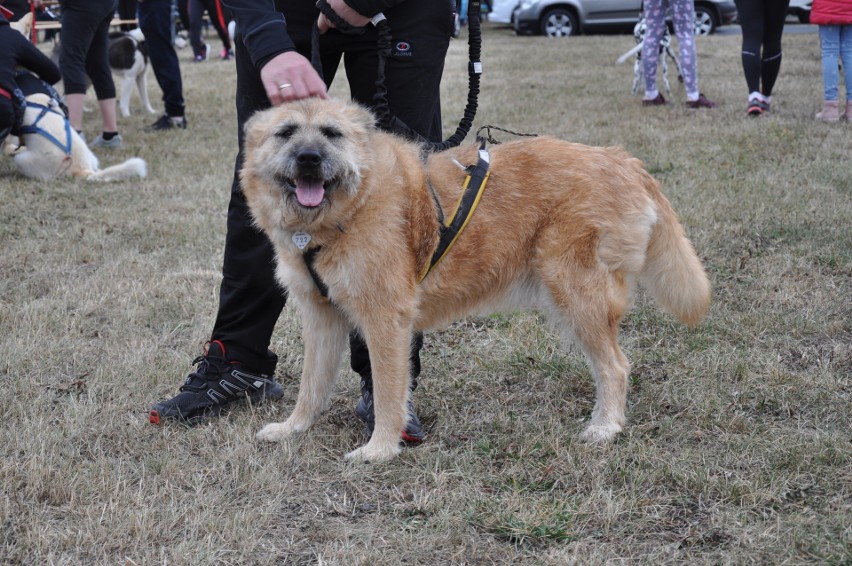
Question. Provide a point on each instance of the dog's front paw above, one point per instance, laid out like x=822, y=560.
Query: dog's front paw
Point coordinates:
x=599, y=433
x=374, y=453
x=276, y=432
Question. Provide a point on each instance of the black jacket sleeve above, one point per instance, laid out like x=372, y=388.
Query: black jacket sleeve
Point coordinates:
x=37, y=62
x=263, y=29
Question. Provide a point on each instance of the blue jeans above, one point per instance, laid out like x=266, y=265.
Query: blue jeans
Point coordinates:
x=836, y=43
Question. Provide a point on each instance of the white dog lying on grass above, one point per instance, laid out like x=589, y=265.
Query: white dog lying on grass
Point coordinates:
x=52, y=148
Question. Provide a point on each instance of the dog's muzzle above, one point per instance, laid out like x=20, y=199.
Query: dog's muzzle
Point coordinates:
x=308, y=182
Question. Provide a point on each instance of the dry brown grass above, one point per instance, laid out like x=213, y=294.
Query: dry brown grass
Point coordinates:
x=738, y=450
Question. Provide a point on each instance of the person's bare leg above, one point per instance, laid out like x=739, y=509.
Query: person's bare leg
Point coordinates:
x=75, y=102
x=108, y=115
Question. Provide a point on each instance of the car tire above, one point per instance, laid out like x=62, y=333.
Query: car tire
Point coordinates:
x=705, y=21
x=558, y=22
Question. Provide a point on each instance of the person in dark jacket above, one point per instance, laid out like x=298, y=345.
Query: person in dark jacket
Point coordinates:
x=273, y=66
x=834, y=18
x=18, y=52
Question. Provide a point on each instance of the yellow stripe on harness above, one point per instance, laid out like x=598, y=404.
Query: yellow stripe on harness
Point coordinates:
x=452, y=227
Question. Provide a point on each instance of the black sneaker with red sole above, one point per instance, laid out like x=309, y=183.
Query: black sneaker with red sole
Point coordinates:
x=756, y=107
x=413, y=433
x=215, y=384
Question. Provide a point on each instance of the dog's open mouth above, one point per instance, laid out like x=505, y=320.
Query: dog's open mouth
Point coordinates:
x=310, y=191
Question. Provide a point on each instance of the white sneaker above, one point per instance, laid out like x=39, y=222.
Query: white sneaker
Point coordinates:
x=113, y=143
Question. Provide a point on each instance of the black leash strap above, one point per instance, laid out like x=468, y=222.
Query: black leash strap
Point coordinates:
x=338, y=22
x=381, y=108
x=490, y=139
x=316, y=60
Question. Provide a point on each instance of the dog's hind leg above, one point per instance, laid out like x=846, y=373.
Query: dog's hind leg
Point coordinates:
x=587, y=304
x=325, y=333
x=665, y=67
x=638, y=73
x=676, y=62
x=32, y=164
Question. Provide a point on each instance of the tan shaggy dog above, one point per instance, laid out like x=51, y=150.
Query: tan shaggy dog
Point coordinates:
x=561, y=227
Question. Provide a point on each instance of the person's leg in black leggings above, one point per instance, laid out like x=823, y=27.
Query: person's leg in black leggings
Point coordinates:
x=97, y=62
x=775, y=13
x=196, y=23
x=183, y=14
x=750, y=16
x=219, y=20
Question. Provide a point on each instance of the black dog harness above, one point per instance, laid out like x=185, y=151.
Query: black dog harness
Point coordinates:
x=452, y=227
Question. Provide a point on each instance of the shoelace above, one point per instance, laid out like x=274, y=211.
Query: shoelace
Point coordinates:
x=202, y=364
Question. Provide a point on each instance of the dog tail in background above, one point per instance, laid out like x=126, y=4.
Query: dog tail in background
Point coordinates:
x=133, y=167
x=672, y=272
x=636, y=49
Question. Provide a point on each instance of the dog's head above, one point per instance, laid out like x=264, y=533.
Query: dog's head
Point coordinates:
x=24, y=25
x=307, y=157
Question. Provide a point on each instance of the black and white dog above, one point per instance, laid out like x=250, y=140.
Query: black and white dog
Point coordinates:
x=128, y=57
x=665, y=52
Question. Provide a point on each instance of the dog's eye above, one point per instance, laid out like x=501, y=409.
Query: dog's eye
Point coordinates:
x=331, y=132
x=286, y=132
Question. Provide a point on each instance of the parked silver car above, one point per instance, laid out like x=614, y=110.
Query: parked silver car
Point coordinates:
x=559, y=18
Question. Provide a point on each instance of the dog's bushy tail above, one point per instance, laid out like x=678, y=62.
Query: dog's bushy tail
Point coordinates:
x=672, y=272
x=133, y=167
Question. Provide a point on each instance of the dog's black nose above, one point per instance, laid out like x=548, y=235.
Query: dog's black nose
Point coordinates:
x=309, y=157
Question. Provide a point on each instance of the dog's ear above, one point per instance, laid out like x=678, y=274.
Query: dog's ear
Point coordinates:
x=361, y=116
x=256, y=127
x=24, y=25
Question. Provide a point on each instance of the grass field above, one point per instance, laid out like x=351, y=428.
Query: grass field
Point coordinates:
x=738, y=449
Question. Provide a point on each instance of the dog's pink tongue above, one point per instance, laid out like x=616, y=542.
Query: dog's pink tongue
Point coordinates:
x=309, y=193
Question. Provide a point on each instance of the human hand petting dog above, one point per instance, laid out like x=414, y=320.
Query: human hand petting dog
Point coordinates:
x=290, y=76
